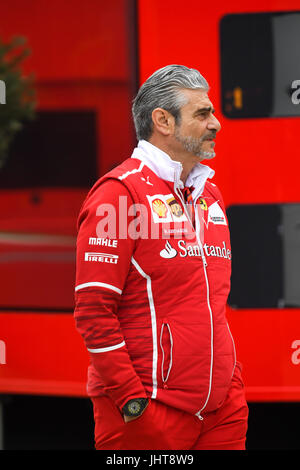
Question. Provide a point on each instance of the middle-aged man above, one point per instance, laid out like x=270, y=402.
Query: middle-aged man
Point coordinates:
x=153, y=277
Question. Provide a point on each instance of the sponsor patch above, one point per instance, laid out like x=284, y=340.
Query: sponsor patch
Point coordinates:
x=175, y=231
x=101, y=257
x=103, y=242
x=160, y=208
x=202, y=204
x=216, y=215
x=168, y=252
x=184, y=250
x=175, y=207
x=165, y=208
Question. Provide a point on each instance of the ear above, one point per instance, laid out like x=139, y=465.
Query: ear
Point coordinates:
x=163, y=121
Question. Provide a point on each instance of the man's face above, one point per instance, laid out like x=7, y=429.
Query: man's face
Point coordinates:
x=198, y=126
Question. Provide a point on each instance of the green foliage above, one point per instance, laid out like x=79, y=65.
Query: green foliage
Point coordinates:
x=20, y=94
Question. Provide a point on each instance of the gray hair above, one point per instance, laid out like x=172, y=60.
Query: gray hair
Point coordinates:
x=162, y=90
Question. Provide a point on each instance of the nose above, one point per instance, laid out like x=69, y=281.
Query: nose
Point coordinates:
x=214, y=124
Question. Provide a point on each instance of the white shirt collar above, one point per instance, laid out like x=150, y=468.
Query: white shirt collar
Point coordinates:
x=170, y=170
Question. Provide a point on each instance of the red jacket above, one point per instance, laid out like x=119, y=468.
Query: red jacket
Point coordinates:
x=151, y=289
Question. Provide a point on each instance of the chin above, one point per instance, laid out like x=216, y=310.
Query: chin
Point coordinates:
x=206, y=155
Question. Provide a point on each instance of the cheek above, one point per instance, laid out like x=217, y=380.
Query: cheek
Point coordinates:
x=192, y=128
x=198, y=128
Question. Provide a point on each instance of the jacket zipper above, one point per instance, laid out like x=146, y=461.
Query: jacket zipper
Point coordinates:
x=197, y=224
x=195, y=229
x=164, y=379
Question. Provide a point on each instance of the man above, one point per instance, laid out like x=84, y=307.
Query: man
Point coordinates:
x=153, y=277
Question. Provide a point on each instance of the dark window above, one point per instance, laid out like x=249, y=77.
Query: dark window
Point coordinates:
x=260, y=64
x=57, y=149
x=265, y=255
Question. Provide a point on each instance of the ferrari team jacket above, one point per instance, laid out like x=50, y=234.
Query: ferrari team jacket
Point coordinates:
x=153, y=277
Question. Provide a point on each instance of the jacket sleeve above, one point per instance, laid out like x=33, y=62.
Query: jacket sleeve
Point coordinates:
x=102, y=264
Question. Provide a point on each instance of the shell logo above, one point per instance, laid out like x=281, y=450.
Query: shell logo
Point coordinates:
x=159, y=208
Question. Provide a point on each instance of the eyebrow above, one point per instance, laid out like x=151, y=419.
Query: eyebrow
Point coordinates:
x=202, y=110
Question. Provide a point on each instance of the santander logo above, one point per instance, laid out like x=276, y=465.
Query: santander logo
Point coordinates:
x=168, y=252
x=194, y=250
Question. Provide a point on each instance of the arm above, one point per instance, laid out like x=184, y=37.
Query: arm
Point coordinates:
x=99, y=285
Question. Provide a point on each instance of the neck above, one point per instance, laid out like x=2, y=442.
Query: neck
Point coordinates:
x=187, y=160
x=186, y=169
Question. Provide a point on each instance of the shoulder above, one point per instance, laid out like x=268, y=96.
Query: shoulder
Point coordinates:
x=214, y=191
x=212, y=188
x=107, y=190
x=112, y=182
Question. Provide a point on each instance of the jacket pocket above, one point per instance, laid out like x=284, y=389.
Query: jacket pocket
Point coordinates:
x=166, y=345
x=234, y=351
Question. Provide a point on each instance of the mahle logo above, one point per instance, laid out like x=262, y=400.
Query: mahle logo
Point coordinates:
x=2, y=92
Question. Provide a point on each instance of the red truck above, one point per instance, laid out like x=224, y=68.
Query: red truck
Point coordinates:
x=89, y=61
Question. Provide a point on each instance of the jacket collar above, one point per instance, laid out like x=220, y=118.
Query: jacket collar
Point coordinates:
x=170, y=170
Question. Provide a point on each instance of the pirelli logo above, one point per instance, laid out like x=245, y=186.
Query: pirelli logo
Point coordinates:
x=101, y=257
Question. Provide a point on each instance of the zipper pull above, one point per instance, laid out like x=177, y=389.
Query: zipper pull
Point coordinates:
x=204, y=260
x=199, y=416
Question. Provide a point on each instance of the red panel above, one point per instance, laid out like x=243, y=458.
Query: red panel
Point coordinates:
x=80, y=58
x=81, y=55
x=70, y=39
x=268, y=345
x=251, y=163
x=257, y=162
x=43, y=355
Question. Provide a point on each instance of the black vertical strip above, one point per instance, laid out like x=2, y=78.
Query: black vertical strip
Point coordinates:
x=133, y=52
x=257, y=256
x=247, y=61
